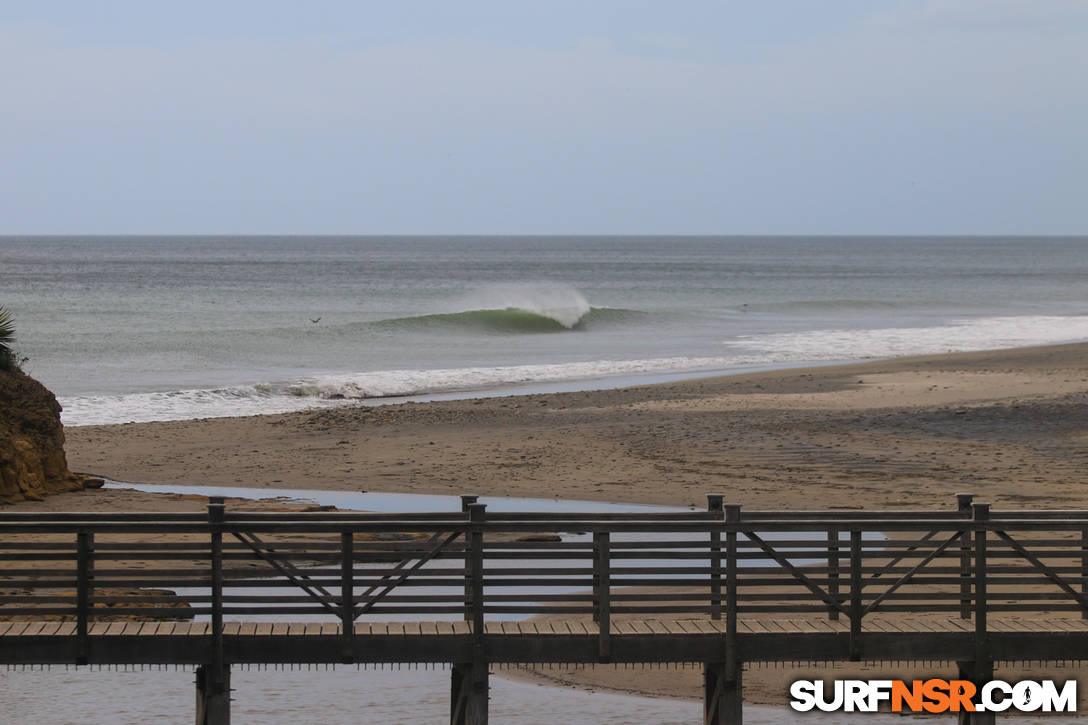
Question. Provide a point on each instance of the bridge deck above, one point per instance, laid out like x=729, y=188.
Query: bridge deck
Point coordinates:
x=542, y=628
x=541, y=642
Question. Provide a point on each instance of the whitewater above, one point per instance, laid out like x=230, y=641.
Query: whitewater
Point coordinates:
x=138, y=329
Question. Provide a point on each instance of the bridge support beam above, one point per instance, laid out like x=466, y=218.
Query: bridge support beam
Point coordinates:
x=979, y=674
x=212, y=698
x=468, y=694
x=723, y=696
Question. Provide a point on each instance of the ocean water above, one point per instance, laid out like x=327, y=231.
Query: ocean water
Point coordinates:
x=159, y=328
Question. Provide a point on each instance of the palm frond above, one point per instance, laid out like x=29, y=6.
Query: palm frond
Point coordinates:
x=7, y=329
x=7, y=337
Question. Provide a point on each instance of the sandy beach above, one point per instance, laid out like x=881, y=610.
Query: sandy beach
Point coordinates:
x=1010, y=426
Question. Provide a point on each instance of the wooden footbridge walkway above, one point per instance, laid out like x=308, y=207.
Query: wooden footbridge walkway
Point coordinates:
x=475, y=588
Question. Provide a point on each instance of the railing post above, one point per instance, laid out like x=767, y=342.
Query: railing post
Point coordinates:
x=726, y=705
x=84, y=590
x=833, y=570
x=963, y=506
x=981, y=670
x=347, y=596
x=981, y=519
x=732, y=517
x=714, y=506
x=855, y=594
x=469, y=680
x=466, y=501
x=474, y=557
x=215, y=690
x=602, y=580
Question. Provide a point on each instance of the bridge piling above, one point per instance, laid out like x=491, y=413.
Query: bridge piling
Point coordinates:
x=979, y=676
x=723, y=697
x=469, y=686
x=212, y=697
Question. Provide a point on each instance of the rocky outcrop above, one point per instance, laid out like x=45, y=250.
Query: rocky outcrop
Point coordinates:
x=32, y=462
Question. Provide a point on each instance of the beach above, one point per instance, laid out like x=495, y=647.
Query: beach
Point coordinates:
x=1009, y=426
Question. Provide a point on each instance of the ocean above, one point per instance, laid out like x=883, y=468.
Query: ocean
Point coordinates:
x=164, y=328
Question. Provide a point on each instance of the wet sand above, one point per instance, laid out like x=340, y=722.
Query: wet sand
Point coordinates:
x=1010, y=426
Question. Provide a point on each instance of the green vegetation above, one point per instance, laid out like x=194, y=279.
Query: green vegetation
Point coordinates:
x=8, y=358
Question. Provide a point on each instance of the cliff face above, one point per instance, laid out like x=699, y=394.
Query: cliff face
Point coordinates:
x=32, y=462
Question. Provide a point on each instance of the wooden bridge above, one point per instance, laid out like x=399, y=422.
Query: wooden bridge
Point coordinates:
x=472, y=588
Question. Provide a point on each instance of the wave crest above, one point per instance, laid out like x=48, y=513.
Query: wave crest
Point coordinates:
x=513, y=320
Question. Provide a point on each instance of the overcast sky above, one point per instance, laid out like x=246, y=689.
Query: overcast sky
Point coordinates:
x=544, y=117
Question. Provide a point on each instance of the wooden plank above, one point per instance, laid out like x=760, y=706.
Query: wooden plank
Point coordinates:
x=248, y=629
x=50, y=629
x=803, y=625
x=963, y=625
x=264, y=629
x=428, y=629
x=445, y=628
x=688, y=626
x=657, y=626
x=673, y=626
x=460, y=627
x=32, y=629
x=412, y=628
x=67, y=629
x=329, y=629
x=296, y=629
x=312, y=629
x=1033, y=625
x=115, y=629
x=1061, y=624
x=17, y=628
x=758, y=626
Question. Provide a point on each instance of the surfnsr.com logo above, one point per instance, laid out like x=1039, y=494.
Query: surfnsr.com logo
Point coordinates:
x=933, y=696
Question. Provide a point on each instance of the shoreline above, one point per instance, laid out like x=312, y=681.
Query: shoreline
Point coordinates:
x=575, y=385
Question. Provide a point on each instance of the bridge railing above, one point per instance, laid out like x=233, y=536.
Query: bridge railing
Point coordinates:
x=479, y=565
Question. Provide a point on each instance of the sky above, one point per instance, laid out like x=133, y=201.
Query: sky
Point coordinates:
x=544, y=117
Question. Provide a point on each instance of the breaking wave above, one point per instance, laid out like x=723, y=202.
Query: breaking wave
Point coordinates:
x=514, y=320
